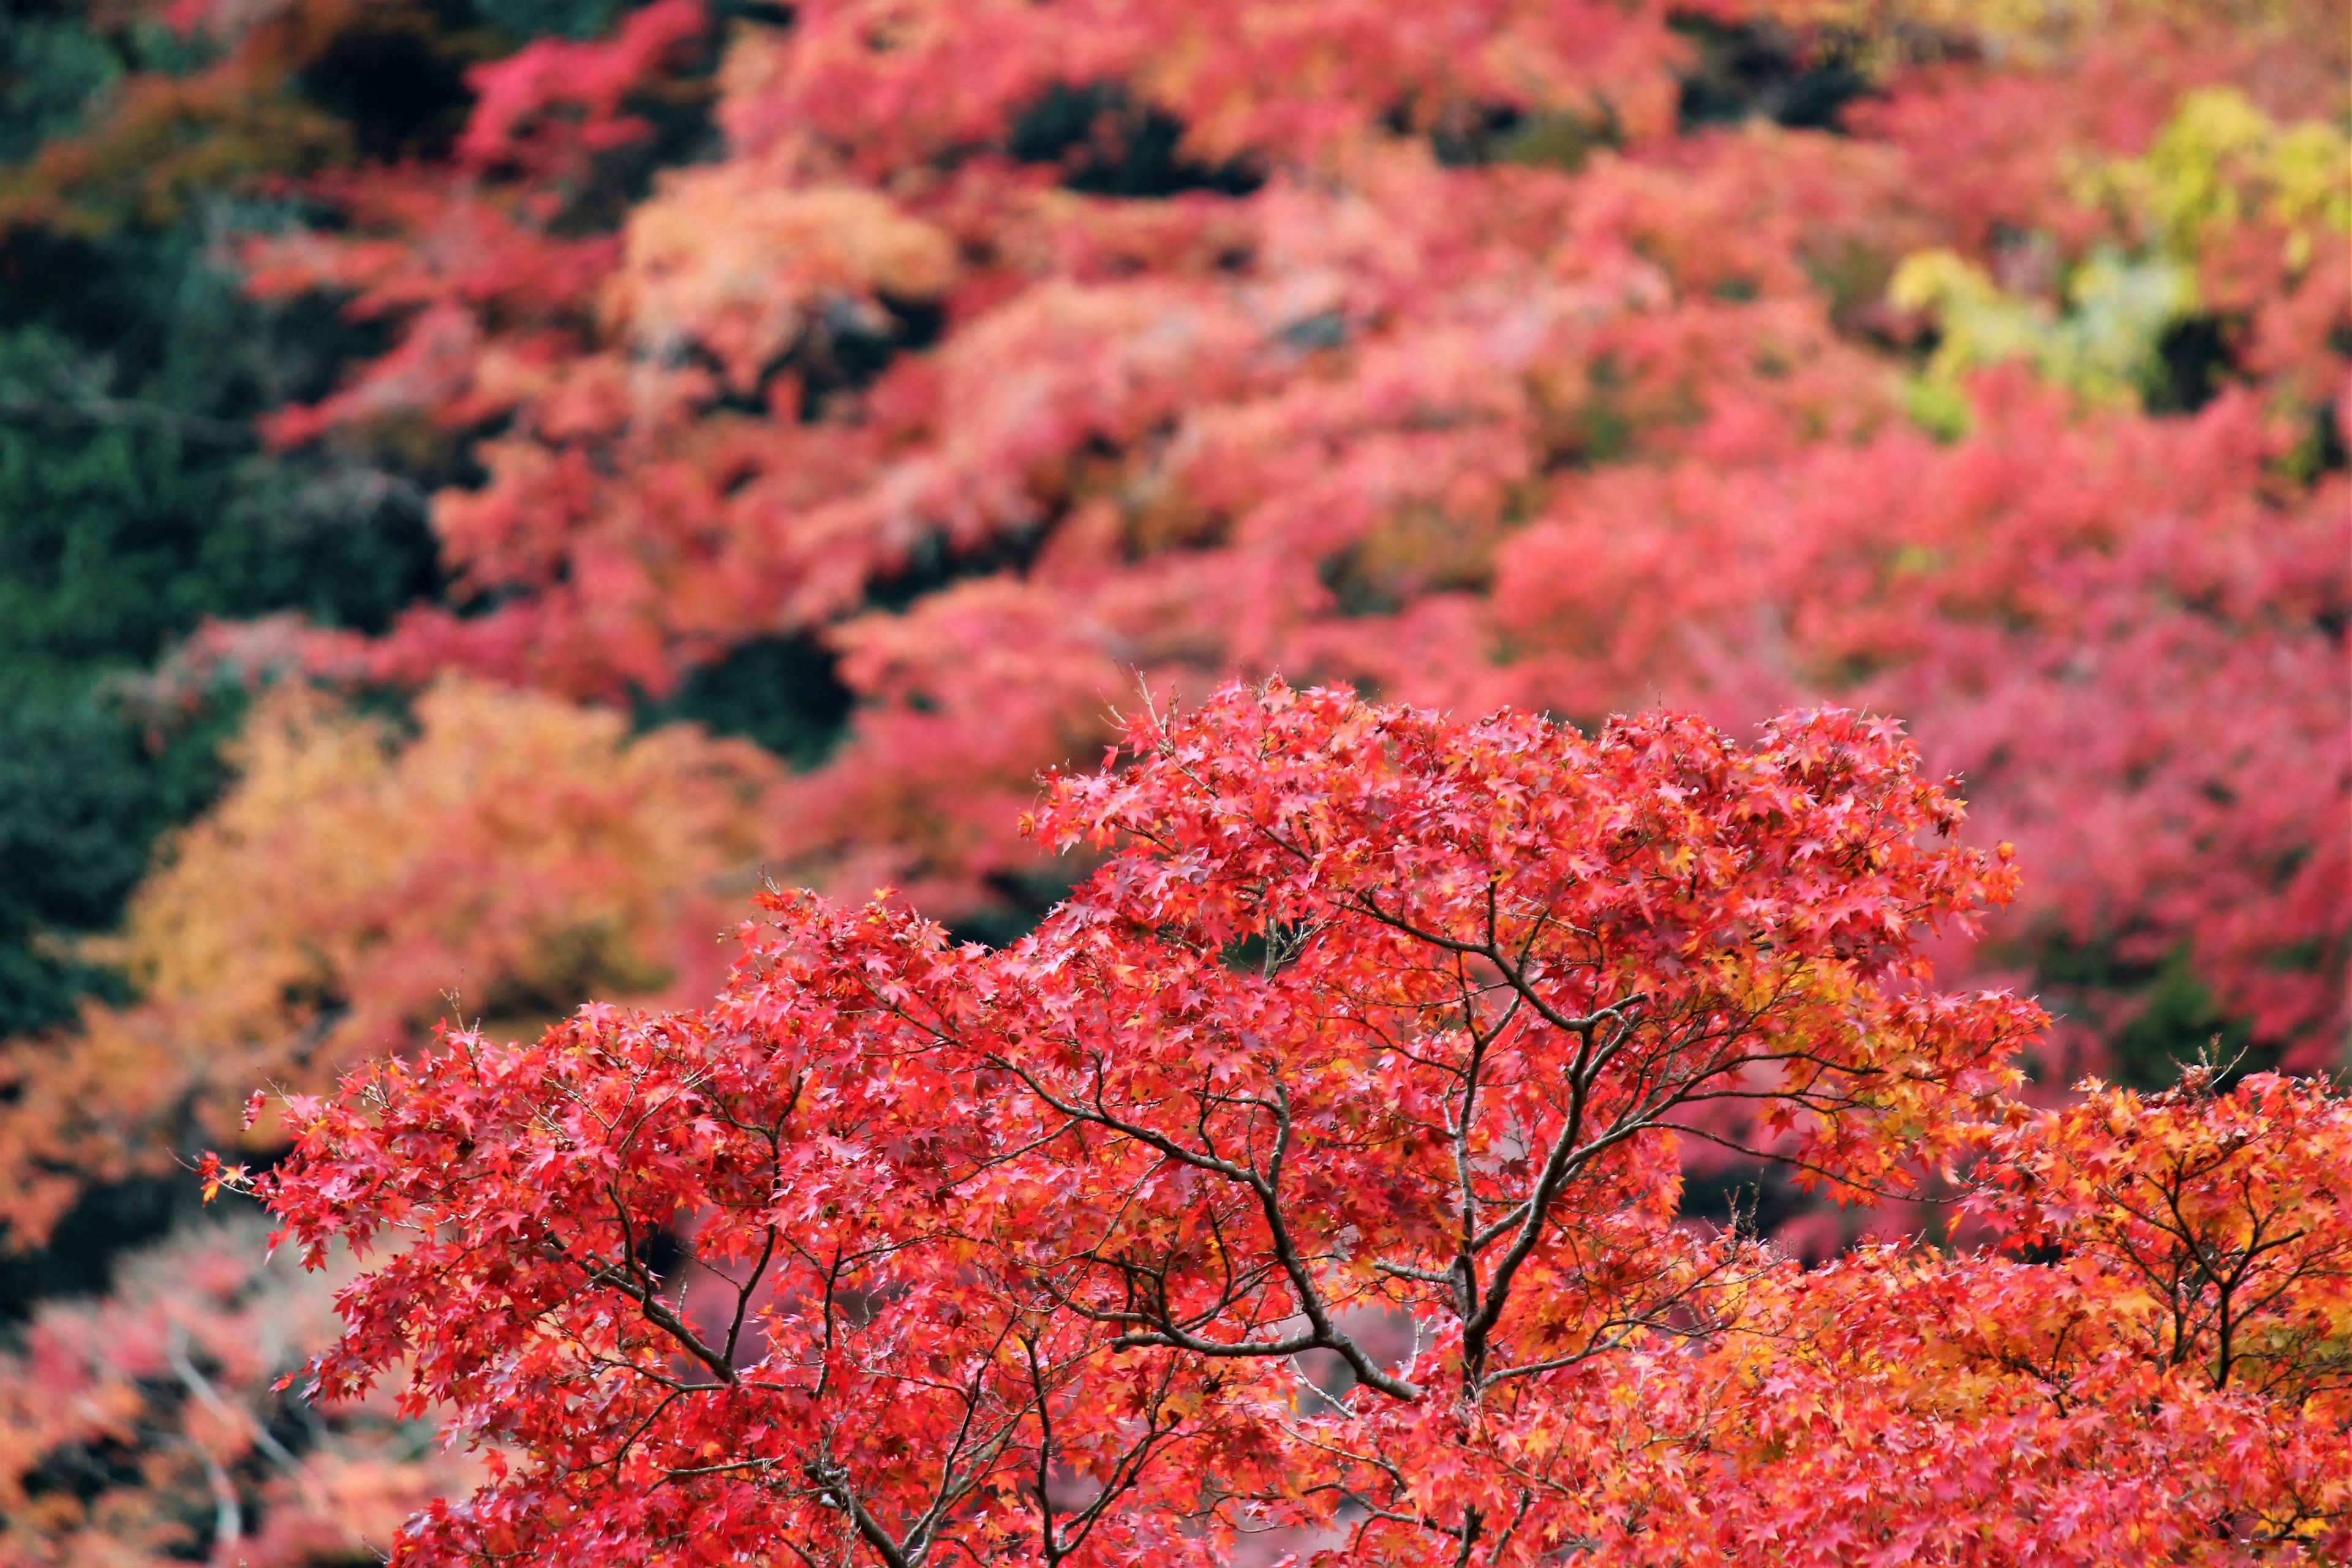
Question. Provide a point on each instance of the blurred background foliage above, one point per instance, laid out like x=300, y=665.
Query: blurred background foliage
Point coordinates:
x=137, y=501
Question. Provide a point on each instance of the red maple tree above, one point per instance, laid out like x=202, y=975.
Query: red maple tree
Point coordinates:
x=1314, y=1168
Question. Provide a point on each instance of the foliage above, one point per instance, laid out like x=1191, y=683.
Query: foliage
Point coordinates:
x=896, y=384
x=2095, y=615
x=1455, y=401
x=134, y=506
x=2217, y=170
x=2088, y=1408
x=134, y=503
x=2104, y=347
x=1108, y=1248
x=512, y=856
x=151, y=1425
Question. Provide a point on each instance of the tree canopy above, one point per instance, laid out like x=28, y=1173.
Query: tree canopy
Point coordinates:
x=487, y=485
x=1312, y=1169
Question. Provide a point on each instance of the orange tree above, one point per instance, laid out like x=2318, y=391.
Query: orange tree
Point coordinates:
x=513, y=853
x=1312, y=1168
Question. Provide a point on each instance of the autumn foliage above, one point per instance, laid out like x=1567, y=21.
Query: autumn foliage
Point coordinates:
x=1313, y=1168
x=1008, y=353
x=511, y=855
x=168, y=1392
x=762, y=442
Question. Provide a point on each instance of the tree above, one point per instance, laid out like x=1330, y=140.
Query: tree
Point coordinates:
x=892, y=385
x=1313, y=1167
x=513, y=852
x=135, y=141
x=998, y=355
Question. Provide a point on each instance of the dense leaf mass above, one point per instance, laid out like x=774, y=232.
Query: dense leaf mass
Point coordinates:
x=1462, y=368
x=485, y=483
x=515, y=854
x=1108, y=1248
